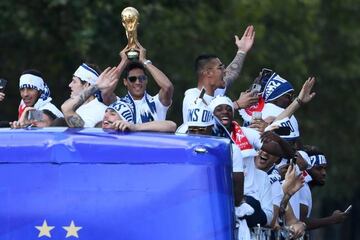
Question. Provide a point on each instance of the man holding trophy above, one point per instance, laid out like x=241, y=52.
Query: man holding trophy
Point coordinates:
x=145, y=108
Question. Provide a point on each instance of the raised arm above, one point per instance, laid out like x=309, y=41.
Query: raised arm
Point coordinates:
x=107, y=79
x=244, y=45
x=69, y=106
x=166, y=87
x=108, y=92
x=290, y=186
x=305, y=96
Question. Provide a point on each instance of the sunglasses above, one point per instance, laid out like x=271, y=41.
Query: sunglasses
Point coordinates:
x=198, y=130
x=133, y=78
x=219, y=67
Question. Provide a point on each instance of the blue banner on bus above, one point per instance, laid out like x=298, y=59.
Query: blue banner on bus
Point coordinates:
x=60, y=183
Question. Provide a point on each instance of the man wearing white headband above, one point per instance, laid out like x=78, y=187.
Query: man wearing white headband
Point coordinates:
x=35, y=93
x=212, y=75
x=90, y=111
x=318, y=174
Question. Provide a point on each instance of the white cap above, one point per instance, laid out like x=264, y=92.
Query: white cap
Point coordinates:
x=199, y=115
x=219, y=100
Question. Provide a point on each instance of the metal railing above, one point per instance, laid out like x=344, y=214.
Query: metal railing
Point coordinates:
x=263, y=233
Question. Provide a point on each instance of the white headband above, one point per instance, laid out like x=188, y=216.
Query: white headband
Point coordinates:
x=219, y=100
x=31, y=81
x=306, y=157
x=86, y=73
x=317, y=160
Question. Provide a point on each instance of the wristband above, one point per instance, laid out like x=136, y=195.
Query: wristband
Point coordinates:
x=299, y=101
x=146, y=62
x=241, y=52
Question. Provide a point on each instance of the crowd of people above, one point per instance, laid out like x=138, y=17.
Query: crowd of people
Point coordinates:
x=274, y=174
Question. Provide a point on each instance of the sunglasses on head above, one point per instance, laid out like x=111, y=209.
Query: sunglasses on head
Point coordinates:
x=141, y=78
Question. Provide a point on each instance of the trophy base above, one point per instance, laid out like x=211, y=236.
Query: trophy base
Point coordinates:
x=133, y=55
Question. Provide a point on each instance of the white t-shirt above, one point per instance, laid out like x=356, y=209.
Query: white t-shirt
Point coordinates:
x=253, y=136
x=191, y=95
x=52, y=108
x=257, y=184
x=237, y=159
x=220, y=92
x=92, y=112
x=306, y=198
x=295, y=204
x=277, y=193
x=144, y=113
x=273, y=110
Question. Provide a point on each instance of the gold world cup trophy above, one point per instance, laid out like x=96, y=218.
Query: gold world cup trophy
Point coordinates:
x=130, y=21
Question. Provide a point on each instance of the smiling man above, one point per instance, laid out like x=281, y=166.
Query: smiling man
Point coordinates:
x=146, y=108
x=257, y=188
x=35, y=93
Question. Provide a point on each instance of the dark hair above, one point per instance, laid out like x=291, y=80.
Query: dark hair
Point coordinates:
x=202, y=60
x=94, y=67
x=49, y=114
x=59, y=122
x=131, y=66
x=312, y=150
x=33, y=72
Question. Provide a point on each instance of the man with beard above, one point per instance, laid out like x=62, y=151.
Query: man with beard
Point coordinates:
x=318, y=174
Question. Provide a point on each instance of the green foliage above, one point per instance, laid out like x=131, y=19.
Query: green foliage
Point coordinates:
x=297, y=38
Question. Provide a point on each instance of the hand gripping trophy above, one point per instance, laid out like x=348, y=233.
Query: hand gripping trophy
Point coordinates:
x=130, y=21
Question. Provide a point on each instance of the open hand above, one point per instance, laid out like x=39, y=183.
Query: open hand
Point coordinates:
x=246, y=99
x=247, y=40
x=292, y=181
x=305, y=94
x=108, y=79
